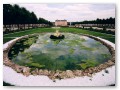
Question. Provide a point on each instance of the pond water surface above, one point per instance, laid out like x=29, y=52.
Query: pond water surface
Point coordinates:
x=73, y=52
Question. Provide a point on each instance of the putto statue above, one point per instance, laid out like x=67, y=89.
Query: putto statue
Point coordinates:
x=57, y=35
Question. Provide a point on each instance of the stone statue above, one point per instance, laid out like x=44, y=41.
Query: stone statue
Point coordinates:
x=57, y=33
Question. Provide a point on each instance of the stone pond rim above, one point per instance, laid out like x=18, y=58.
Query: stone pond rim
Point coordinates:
x=58, y=74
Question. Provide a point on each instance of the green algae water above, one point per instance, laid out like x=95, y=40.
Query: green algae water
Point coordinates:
x=72, y=53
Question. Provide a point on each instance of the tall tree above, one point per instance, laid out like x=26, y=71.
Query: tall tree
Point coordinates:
x=13, y=14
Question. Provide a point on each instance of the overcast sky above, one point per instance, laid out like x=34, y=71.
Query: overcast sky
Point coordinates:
x=71, y=12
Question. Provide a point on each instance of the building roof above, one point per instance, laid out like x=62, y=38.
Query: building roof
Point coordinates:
x=60, y=20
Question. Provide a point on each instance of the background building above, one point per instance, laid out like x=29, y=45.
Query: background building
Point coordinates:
x=60, y=22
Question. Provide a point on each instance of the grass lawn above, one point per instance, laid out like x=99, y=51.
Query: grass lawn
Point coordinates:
x=11, y=36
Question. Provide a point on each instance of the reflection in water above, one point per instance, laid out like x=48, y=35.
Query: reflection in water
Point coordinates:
x=73, y=52
x=56, y=41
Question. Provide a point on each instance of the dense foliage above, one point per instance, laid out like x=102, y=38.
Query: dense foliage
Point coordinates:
x=97, y=21
x=13, y=14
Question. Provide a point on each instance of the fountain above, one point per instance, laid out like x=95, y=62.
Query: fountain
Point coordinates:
x=76, y=55
x=57, y=35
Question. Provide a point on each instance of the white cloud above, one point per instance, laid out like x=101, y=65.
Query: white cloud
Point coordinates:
x=71, y=12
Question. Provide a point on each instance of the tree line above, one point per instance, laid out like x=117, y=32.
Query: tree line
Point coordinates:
x=97, y=21
x=13, y=14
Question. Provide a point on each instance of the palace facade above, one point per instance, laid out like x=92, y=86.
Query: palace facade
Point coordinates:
x=60, y=22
